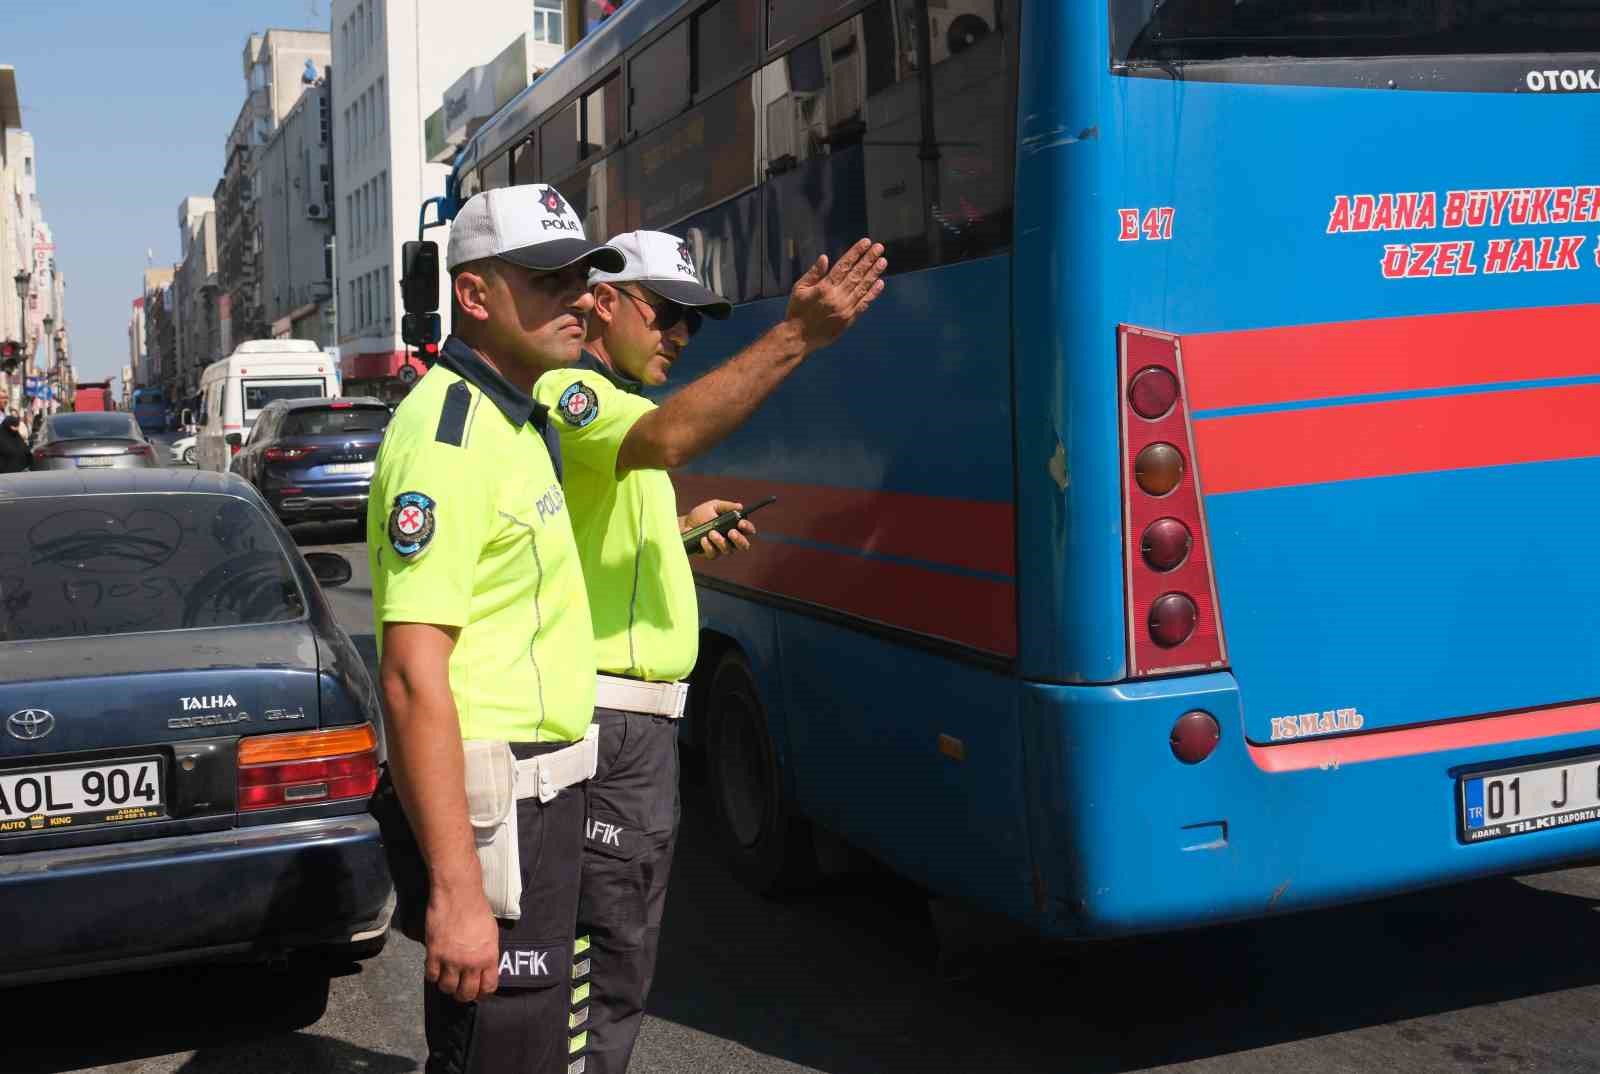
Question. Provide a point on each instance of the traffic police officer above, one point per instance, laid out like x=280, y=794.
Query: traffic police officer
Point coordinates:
x=617, y=446
x=485, y=640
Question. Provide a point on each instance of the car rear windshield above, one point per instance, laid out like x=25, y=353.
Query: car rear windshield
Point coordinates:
x=90, y=566
x=1177, y=30
x=80, y=426
x=321, y=421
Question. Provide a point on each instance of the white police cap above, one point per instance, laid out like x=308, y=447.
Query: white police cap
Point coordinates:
x=665, y=264
x=532, y=226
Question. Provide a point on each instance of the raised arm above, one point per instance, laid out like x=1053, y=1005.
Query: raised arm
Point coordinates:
x=822, y=306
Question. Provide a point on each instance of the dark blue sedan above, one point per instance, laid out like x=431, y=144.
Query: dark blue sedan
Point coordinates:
x=312, y=458
x=188, y=740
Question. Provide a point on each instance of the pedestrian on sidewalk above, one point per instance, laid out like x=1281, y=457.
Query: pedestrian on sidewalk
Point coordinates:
x=617, y=446
x=15, y=457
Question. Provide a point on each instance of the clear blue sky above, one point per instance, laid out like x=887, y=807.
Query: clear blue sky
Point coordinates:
x=129, y=105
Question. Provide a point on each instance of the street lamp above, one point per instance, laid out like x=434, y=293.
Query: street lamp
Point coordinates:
x=22, y=279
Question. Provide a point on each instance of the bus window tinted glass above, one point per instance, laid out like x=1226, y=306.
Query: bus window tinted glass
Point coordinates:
x=698, y=159
x=525, y=163
x=497, y=173
x=789, y=22
x=559, y=137
x=327, y=421
x=1176, y=30
x=724, y=42
x=89, y=566
x=850, y=151
x=724, y=243
x=602, y=109
x=659, y=87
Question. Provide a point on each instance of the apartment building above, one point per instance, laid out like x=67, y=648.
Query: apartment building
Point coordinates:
x=392, y=62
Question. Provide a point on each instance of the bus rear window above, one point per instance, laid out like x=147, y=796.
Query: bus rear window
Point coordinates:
x=1179, y=30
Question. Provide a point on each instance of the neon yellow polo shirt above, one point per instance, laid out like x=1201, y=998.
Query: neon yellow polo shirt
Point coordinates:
x=641, y=590
x=467, y=526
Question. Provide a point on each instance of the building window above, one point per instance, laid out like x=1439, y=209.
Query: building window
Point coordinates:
x=547, y=21
x=383, y=107
x=388, y=296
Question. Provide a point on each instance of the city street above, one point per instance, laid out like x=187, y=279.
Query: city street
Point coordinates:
x=864, y=977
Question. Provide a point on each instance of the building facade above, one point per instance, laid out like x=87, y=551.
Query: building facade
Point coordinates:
x=199, y=308
x=393, y=61
x=145, y=330
x=295, y=175
x=279, y=66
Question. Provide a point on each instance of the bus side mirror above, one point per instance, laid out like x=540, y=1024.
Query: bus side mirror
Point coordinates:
x=419, y=276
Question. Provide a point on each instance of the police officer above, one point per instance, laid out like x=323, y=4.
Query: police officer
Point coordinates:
x=617, y=446
x=485, y=640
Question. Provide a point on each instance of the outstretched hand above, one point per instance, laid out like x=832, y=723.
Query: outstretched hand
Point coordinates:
x=825, y=303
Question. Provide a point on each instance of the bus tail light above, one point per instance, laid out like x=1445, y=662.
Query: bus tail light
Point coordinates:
x=1194, y=736
x=309, y=766
x=1173, y=620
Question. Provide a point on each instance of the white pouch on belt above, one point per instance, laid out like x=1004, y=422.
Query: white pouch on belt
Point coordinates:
x=491, y=779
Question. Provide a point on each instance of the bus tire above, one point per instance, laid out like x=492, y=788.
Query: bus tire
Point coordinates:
x=768, y=846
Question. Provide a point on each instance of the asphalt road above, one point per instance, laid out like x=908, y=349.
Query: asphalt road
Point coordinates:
x=865, y=977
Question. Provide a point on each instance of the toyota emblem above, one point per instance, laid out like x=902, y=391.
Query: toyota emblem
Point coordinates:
x=29, y=724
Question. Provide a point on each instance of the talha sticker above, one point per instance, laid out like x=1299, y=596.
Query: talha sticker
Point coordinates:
x=411, y=523
x=579, y=405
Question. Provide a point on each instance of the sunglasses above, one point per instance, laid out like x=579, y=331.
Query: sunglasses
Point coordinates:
x=669, y=313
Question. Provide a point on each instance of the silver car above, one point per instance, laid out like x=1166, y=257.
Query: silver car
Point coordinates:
x=99, y=440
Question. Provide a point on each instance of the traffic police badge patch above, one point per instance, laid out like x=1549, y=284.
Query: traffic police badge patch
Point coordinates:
x=579, y=405
x=411, y=523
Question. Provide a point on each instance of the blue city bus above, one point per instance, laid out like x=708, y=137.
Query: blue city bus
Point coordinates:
x=1194, y=530
x=149, y=409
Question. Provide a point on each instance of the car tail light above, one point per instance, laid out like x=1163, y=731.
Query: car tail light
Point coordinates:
x=340, y=406
x=137, y=449
x=51, y=452
x=286, y=454
x=1173, y=620
x=307, y=766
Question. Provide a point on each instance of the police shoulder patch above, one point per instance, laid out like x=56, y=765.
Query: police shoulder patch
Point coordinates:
x=579, y=405
x=411, y=523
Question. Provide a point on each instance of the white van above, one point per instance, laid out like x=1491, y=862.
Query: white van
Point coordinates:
x=233, y=391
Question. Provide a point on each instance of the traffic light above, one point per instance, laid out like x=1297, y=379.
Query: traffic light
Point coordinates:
x=421, y=330
x=11, y=356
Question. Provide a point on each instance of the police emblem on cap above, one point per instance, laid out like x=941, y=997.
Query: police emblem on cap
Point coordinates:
x=551, y=199
x=579, y=405
x=411, y=523
x=686, y=259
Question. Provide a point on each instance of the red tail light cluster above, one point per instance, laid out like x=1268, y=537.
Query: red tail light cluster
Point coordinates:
x=306, y=767
x=137, y=449
x=286, y=454
x=1173, y=624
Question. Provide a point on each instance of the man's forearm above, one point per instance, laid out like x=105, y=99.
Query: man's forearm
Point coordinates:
x=697, y=418
x=425, y=757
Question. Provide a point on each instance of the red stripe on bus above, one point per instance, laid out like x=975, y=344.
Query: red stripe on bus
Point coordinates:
x=975, y=612
x=1435, y=738
x=1328, y=361
x=974, y=535
x=1410, y=436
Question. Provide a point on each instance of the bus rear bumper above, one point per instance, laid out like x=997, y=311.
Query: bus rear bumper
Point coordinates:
x=1129, y=839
